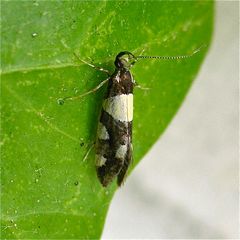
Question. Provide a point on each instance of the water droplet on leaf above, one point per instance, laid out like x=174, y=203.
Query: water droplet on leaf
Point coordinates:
x=60, y=101
x=34, y=34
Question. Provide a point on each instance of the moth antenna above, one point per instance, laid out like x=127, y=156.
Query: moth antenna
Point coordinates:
x=174, y=57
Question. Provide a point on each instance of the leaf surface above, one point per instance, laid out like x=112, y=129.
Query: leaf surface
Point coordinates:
x=48, y=191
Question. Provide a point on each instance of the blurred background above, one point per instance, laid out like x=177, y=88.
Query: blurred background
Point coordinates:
x=187, y=186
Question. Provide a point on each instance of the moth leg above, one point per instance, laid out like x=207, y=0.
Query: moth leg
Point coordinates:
x=143, y=50
x=93, y=66
x=137, y=50
x=88, y=152
x=62, y=100
x=140, y=87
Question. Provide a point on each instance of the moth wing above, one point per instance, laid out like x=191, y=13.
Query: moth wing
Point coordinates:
x=128, y=159
x=107, y=163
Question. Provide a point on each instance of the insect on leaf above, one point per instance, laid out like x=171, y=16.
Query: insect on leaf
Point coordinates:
x=48, y=191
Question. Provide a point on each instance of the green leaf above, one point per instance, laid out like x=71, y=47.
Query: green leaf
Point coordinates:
x=48, y=191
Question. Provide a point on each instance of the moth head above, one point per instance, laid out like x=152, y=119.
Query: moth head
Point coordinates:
x=125, y=60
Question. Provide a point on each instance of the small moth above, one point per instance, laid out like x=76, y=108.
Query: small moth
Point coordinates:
x=114, y=135
x=113, y=144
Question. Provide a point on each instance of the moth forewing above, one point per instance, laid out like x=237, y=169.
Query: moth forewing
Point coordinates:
x=114, y=152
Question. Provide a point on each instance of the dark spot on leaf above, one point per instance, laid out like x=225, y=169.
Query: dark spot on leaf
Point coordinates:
x=76, y=183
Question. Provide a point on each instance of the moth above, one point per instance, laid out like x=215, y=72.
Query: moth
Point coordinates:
x=113, y=146
x=114, y=136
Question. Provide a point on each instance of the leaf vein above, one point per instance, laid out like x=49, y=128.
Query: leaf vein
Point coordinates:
x=40, y=114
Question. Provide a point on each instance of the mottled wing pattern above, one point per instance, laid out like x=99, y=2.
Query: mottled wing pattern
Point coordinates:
x=114, y=136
